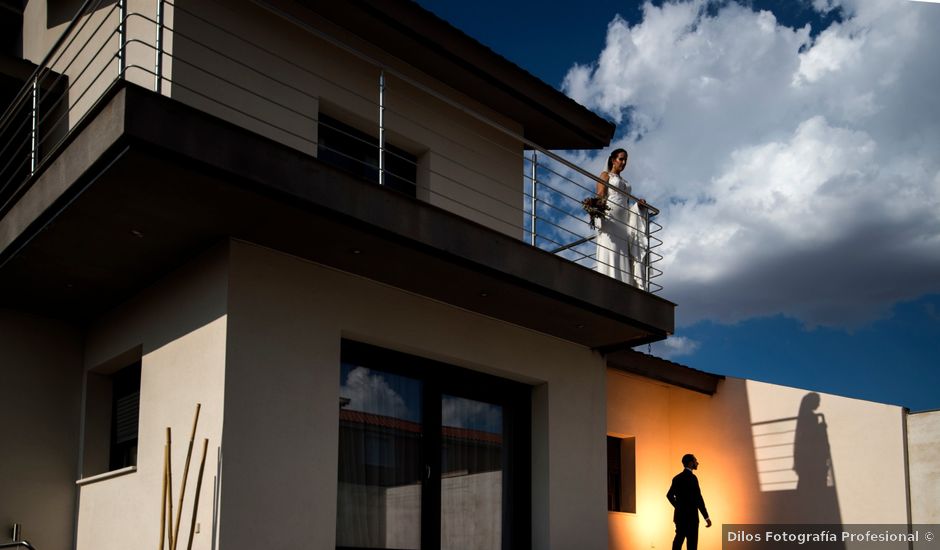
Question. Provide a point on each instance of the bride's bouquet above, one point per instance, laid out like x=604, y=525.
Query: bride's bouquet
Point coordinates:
x=596, y=208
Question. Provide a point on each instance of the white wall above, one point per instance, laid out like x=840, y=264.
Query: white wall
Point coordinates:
x=286, y=320
x=275, y=78
x=867, y=453
x=242, y=63
x=88, y=57
x=180, y=324
x=40, y=374
x=923, y=434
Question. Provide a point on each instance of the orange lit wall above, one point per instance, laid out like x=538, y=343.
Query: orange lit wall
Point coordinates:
x=865, y=449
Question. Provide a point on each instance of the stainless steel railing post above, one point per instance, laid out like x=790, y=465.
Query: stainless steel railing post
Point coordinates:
x=122, y=37
x=381, y=127
x=158, y=62
x=535, y=187
x=647, y=247
x=34, y=128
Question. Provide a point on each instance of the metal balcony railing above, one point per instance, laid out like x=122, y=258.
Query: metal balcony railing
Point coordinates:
x=184, y=52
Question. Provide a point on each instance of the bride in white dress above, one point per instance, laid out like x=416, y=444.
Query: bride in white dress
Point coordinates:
x=621, y=236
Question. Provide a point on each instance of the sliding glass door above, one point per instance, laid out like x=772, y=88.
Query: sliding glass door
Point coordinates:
x=380, y=456
x=430, y=455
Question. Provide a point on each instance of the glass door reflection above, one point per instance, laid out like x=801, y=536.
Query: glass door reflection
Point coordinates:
x=381, y=470
x=471, y=474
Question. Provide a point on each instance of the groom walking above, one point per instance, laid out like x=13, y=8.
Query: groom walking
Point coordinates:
x=686, y=497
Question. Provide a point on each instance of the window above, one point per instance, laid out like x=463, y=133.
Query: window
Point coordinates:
x=430, y=455
x=621, y=474
x=356, y=152
x=112, y=413
x=125, y=413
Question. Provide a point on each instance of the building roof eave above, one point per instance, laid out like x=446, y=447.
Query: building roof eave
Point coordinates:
x=656, y=368
x=423, y=40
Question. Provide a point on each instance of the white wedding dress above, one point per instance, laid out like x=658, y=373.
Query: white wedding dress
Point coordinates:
x=621, y=236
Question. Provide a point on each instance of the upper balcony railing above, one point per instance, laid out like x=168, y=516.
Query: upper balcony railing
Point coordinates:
x=369, y=116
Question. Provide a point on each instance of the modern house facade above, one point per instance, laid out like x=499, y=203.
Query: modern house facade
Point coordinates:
x=196, y=212
x=341, y=230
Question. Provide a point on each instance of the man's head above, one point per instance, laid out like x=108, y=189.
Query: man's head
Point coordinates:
x=690, y=462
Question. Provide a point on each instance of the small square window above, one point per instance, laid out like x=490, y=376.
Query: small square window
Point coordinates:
x=357, y=152
x=621, y=474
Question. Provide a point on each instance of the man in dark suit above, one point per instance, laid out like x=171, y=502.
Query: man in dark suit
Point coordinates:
x=686, y=497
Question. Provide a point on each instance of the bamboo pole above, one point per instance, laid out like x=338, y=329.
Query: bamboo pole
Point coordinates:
x=202, y=467
x=189, y=454
x=166, y=453
x=169, y=488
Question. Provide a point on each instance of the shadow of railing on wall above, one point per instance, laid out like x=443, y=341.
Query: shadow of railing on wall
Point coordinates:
x=794, y=466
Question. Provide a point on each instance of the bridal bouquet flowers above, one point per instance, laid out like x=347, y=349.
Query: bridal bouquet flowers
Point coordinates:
x=596, y=208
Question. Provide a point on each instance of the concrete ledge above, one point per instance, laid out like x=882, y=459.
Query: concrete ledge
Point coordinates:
x=106, y=475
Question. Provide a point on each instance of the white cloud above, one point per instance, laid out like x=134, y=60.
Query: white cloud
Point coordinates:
x=675, y=346
x=796, y=174
x=831, y=54
x=372, y=393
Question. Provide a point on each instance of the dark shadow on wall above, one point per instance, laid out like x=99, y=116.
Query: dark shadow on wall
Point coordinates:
x=798, y=480
x=62, y=11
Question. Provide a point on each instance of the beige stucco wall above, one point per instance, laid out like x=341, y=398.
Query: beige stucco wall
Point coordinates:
x=275, y=78
x=923, y=434
x=286, y=320
x=867, y=455
x=40, y=373
x=180, y=324
x=88, y=57
x=242, y=63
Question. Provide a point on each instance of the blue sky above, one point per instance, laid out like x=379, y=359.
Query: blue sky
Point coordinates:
x=792, y=147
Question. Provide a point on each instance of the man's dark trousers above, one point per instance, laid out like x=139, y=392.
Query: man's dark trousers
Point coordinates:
x=687, y=532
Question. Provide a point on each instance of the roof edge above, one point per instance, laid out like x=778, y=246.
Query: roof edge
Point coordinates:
x=656, y=368
x=423, y=40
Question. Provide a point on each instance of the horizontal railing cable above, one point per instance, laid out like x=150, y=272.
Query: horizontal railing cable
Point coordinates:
x=46, y=71
x=550, y=212
x=314, y=119
x=299, y=67
x=43, y=118
x=68, y=31
x=62, y=116
x=433, y=93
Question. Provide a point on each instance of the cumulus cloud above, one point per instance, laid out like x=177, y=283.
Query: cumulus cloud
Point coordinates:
x=797, y=171
x=675, y=346
x=372, y=393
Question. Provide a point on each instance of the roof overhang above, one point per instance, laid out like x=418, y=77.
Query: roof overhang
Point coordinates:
x=421, y=39
x=146, y=182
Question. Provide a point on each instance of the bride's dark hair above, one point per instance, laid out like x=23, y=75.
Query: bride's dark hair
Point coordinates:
x=614, y=153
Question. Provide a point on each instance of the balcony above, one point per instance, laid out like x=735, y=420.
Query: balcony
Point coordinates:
x=142, y=139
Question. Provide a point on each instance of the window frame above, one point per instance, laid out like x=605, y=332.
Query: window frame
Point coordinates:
x=352, y=150
x=441, y=379
x=103, y=385
x=621, y=484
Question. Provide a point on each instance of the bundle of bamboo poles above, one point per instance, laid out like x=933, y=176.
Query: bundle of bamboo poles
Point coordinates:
x=170, y=529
